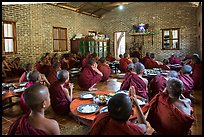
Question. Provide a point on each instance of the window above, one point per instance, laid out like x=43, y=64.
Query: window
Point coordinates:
x=9, y=37
x=59, y=39
x=170, y=39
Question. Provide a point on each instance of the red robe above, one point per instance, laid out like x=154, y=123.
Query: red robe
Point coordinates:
x=188, y=84
x=88, y=77
x=22, y=126
x=104, y=125
x=105, y=69
x=144, y=59
x=149, y=64
x=197, y=75
x=84, y=62
x=52, y=77
x=156, y=85
x=110, y=58
x=124, y=64
x=174, y=60
x=23, y=77
x=132, y=79
x=166, y=119
x=164, y=67
x=60, y=104
x=64, y=65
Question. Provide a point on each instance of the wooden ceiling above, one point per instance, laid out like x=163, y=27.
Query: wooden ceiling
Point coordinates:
x=95, y=9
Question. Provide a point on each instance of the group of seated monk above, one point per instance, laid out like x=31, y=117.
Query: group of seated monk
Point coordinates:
x=170, y=95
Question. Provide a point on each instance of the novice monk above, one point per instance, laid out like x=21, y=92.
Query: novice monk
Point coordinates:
x=115, y=121
x=124, y=63
x=61, y=93
x=109, y=57
x=188, y=82
x=89, y=76
x=151, y=63
x=28, y=68
x=52, y=77
x=170, y=113
x=136, y=80
x=104, y=68
x=38, y=99
x=158, y=83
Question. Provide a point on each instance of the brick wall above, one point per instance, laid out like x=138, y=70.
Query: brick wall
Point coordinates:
x=199, y=20
x=35, y=22
x=158, y=16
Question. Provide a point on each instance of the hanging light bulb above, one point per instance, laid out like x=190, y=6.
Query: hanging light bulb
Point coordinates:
x=121, y=7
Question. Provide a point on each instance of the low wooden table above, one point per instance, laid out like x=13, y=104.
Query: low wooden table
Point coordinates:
x=87, y=119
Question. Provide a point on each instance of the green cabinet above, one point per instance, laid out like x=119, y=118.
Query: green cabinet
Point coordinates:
x=101, y=47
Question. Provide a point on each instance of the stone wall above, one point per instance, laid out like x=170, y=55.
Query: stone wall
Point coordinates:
x=159, y=16
x=199, y=21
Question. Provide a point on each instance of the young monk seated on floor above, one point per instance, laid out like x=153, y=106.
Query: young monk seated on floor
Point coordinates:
x=84, y=60
x=135, y=60
x=196, y=65
x=151, y=63
x=124, y=63
x=38, y=99
x=61, y=93
x=158, y=83
x=164, y=66
x=32, y=77
x=188, y=82
x=115, y=121
x=170, y=113
x=104, y=68
x=109, y=57
x=89, y=76
x=144, y=59
x=28, y=68
x=136, y=80
x=52, y=77
x=17, y=70
x=43, y=66
x=174, y=59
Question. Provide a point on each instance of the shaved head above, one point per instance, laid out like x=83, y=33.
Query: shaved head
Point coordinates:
x=33, y=76
x=172, y=74
x=35, y=95
x=174, y=87
x=62, y=75
x=186, y=69
x=139, y=67
x=120, y=107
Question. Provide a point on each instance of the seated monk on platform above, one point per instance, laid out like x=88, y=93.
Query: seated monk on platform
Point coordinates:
x=151, y=63
x=38, y=99
x=28, y=68
x=170, y=113
x=196, y=65
x=89, y=76
x=144, y=59
x=164, y=66
x=104, y=68
x=109, y=57
x=61, y=93
x=124, y=63
x=188, y=82
x=158, y=83
x=52, y=77
x=136, y=80
x=32, y=77
x=115, y=121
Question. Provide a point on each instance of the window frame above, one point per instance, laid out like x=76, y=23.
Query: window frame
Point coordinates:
x=60, y=39
x=14, y=37
x=171, y=39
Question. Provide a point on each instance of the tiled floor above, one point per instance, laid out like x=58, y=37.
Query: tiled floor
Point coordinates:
x=69, y=126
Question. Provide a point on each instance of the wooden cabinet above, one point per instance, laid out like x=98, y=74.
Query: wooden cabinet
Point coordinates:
x=101, y=47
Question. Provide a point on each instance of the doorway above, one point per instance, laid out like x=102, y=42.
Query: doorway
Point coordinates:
x=119, y=43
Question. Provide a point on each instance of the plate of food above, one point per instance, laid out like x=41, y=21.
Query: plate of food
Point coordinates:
x=74, y=69
x=7, y=85
x=87, y=95
x=88, y=108
x=22, y=84
x=100, y=99
x=19, y=89
x=121, y=75
x=104, y=109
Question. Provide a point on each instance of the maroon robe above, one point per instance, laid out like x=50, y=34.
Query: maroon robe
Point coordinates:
x=144, y=59
x=23, y=77
x=110, y=58
x=156, y=85
x=52, y=77
x=132, y=79
x=124, y=64
x=60, y=104
x=188, y=84
x=84, y=62
x=64, y=65
x=43, y=69
x=22, y=126
x=197, y=75
x=88, y=77
x=104, y=125
x=166, y=119
x=164, y=67
x=149, y=64
x=174, y=60
x=105, y=69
